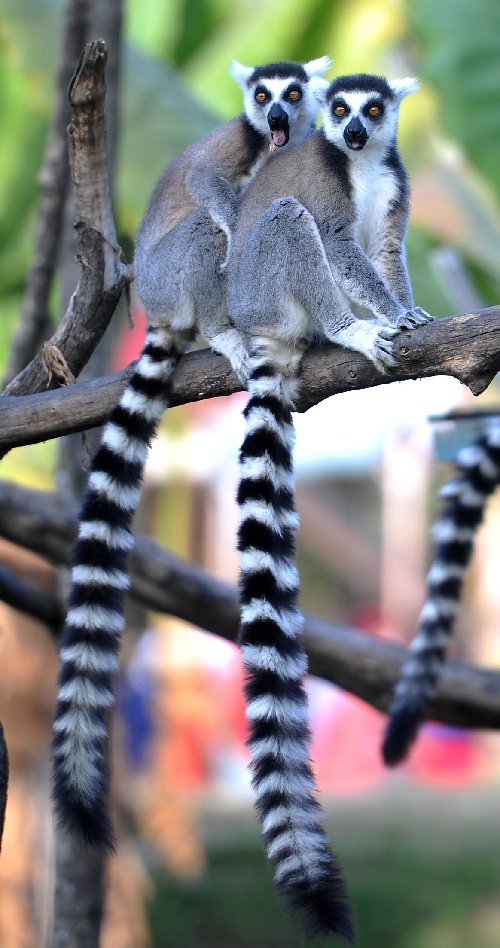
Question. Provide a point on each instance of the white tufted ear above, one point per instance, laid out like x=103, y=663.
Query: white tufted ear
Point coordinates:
x=402, y=87
x=318, y=87
x=240, y=73
x=316, y=67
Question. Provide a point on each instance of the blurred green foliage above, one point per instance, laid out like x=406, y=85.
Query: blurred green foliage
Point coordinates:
x=459, y=49
x=425, y=878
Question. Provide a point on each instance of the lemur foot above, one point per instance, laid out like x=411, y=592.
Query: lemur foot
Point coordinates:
x=373, y=341
x=413, y=318
x=230, y=344
x=383, y=355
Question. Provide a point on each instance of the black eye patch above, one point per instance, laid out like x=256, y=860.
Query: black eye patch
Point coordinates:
x=261, y=94
x=340, y=108
x=374, y=109
x=293, y=93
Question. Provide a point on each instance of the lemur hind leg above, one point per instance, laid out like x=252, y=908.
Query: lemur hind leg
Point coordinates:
x=299, y=293
x=194, y=288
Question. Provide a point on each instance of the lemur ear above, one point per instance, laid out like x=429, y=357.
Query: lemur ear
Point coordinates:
x=317, y=67
x=240, y=73
x=318, y=87
x=402, y=87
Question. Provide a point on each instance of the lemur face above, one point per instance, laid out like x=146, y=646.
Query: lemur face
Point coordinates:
x=360, y=111
x=278, y=98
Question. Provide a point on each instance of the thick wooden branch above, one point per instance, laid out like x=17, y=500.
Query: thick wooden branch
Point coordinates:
x=466, y=347
x=366, y=667
x=103, y=275
x=41, y=604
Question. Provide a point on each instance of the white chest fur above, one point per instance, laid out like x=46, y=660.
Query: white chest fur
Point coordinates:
x=374, y=187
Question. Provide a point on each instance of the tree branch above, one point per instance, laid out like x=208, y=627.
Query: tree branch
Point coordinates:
x=366, y=667
x=103, y=275
x=466, y=347
x=34, y=321
x=31, y=599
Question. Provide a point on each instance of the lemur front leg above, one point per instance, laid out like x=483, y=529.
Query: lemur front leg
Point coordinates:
x=363, y=283
x=293, y=286
x=390, y=262
x=212, y=191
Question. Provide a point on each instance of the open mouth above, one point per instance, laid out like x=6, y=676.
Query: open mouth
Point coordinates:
x=279, y=126
x=355, y=135
x=279, y=137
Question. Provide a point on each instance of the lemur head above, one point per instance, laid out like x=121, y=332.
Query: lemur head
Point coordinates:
x=362, y=110
x=278, y=98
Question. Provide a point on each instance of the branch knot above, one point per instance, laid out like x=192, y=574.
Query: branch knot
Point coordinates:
x=55, y=364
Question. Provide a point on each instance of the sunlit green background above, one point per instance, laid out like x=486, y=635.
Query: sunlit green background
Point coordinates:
x=176, y=87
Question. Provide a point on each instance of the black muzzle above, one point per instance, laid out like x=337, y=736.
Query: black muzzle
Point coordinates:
x=278, y=123
x=355, y=135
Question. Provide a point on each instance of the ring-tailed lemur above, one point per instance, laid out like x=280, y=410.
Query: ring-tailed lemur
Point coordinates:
x=320, y=229
x=179, y=264
x=477, y=476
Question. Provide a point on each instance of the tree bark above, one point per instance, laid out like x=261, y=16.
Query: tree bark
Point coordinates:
x=103, y=275
x=78, y=895
x=34, y=321
x=79, y=871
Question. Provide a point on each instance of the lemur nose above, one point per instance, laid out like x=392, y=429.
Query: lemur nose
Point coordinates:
x=355, y=128
x=276, y=114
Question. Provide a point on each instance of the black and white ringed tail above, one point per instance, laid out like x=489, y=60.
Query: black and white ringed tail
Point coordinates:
x=306, y=871
x=477, y=476
x=99, y=582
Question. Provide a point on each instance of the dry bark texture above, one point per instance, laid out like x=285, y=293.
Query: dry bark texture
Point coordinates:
x=103, y=274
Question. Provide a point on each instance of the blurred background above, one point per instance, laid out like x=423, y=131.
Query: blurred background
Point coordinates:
x=420, y=845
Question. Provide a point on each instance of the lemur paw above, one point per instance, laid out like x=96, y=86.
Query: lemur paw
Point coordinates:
x=413, y=318
x=425, y=317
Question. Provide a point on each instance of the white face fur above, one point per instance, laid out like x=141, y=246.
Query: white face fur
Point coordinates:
x=354, y=118
x=278, y=101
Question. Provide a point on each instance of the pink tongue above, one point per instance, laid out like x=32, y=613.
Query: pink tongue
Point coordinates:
x=279, y=137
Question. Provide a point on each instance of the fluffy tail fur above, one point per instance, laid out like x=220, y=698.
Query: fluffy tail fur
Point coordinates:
x=306, y=872
x=99, y=582
x=478, y=473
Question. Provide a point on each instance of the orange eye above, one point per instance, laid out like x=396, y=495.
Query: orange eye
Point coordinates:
x=340, y=110
x=294, y=95
x=374, y=110
x=261, y=96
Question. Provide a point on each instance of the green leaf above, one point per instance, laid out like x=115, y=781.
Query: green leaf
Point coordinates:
x=460, y=56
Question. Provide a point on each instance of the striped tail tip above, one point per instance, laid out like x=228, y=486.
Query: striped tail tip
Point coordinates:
x=321, y=910
x=86, y=821
x=400, y=734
